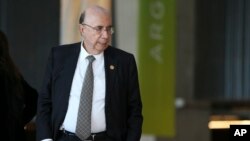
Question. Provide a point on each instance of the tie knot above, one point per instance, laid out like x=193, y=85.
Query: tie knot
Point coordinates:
x=91, y=58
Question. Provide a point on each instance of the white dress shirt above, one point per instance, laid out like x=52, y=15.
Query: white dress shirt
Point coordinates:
x=98, y=120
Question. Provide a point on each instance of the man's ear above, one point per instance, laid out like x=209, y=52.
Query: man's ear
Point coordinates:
x=81, y=29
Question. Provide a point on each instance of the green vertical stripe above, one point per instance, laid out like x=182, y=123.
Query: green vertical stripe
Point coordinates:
x=157, y=65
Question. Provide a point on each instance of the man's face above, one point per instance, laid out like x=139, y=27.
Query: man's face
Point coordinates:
x=96, y=31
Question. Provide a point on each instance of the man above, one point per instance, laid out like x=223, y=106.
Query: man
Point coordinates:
x=116, y=113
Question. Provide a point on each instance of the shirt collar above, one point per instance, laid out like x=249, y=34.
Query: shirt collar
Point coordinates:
x=84, y=54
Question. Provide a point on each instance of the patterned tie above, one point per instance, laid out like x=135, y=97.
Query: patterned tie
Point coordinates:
x=83, y=125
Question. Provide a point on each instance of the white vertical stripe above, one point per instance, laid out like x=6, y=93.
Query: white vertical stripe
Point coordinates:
x=148, y=138
x=126, y=16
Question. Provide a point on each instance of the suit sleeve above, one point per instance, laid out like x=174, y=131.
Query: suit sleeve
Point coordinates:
x=44, y=106
x=30, y=101
x=135, y=117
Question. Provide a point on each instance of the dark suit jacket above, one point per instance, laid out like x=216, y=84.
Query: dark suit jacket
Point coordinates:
x=123, y=106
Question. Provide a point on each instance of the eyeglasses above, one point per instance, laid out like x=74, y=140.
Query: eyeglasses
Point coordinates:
x=99, y=29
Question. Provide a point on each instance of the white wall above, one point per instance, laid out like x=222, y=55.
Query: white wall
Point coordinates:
x=126, y=24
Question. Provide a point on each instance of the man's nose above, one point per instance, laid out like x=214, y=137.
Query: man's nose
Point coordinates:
x=105, y=33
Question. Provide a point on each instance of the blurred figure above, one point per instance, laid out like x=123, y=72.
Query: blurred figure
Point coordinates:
x=18, y=99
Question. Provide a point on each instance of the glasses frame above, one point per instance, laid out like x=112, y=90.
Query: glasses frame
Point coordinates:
x=100, y=29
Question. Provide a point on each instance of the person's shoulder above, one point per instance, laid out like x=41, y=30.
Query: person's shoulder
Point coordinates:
x=116, y=51
x=67, y=46
x=65, y=50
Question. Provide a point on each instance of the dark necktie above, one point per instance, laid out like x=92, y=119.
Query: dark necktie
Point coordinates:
x=83, y=125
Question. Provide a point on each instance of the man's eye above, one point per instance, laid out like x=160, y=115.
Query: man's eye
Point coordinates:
x=99, y=28
x=108, y=28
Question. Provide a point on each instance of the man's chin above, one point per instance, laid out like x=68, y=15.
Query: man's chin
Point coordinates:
x=102, y=46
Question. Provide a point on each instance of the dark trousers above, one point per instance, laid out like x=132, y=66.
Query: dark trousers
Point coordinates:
x=68, y=136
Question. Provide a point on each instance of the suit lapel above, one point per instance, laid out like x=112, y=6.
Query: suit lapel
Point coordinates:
x=69, y=68
x=65, y=78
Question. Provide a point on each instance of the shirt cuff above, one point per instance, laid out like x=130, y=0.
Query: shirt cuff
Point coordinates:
x=47, y=140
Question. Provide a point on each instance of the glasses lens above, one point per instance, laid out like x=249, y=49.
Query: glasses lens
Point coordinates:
x=109, y=30
x=100, y=29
